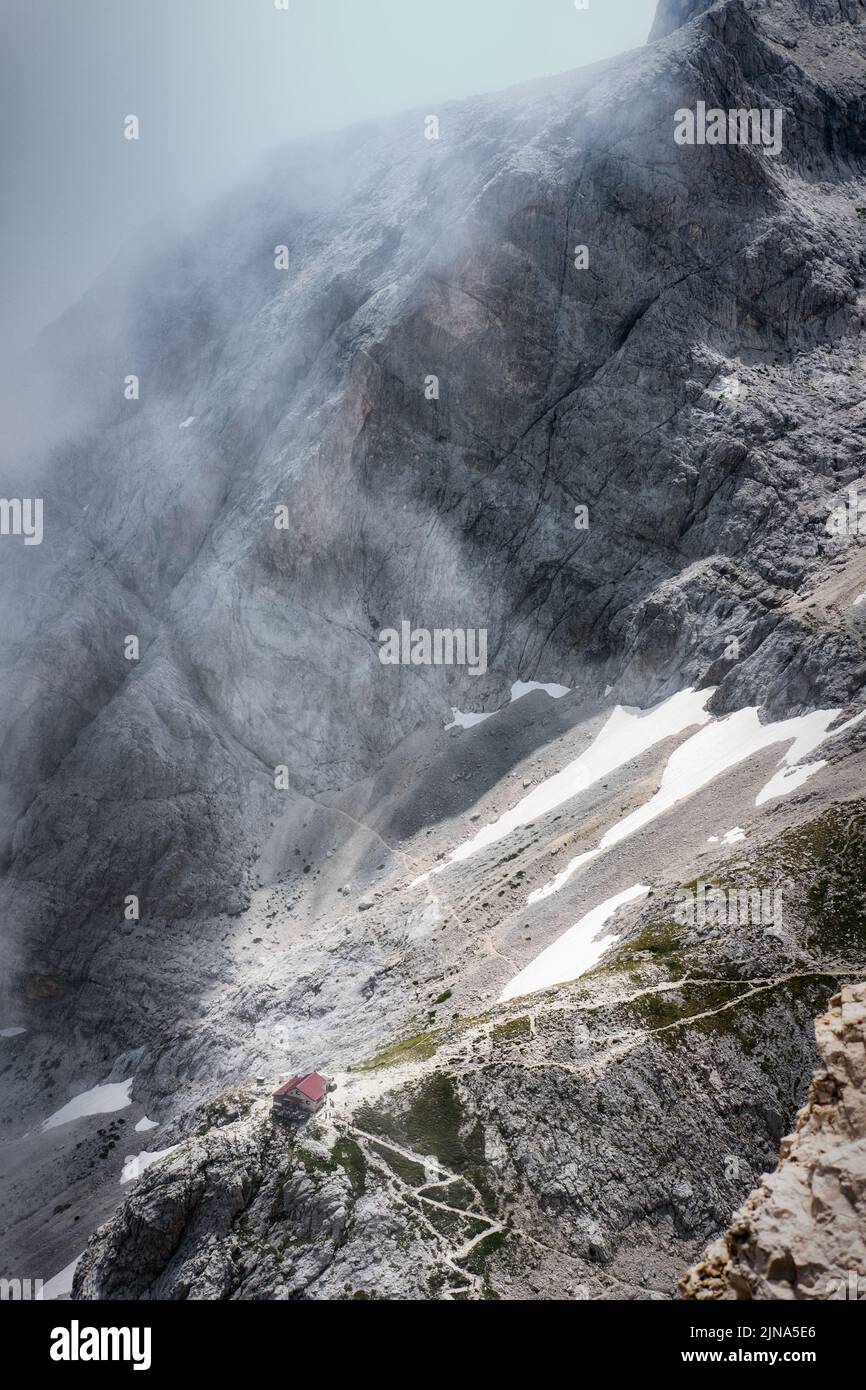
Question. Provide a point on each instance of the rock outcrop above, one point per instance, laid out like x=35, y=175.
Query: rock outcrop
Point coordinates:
x=802, y=1232
x=673, y=14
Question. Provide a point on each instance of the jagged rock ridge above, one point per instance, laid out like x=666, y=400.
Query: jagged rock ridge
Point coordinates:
x=802, y=1233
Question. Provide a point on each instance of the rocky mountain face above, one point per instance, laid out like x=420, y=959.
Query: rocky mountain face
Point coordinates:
x=554, y=376
x=673, y=14
x=801, y=1234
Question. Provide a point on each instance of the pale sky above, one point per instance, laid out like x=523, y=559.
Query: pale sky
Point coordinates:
x=216, y=83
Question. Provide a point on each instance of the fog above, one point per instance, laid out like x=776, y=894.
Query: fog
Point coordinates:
x=215, y=84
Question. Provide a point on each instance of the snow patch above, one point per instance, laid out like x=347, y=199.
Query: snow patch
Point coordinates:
x=145, y=1124
x=573, y=953
x=136, y=1164
x=626, y=734
x=713, y=750
x=788, y=780
x=521, y=688
x=99, y=1100
x=465, y=721
x=185, y=424
x=11, y=1032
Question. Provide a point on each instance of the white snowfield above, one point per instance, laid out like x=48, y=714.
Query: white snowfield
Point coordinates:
x=788, y=780
x=465, y=721
x=714, y=749
x=136, y=1164
x=11, y=1032
x=145, y=1124
x=573, y=953
x=462, y=720
x=627, y=733
x=521, y=688
x=99, y=1100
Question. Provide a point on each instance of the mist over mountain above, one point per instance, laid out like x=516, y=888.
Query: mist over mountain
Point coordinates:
x=531, y=366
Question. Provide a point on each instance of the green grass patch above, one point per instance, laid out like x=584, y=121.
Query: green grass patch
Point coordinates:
x=478, y=1257
x=315, y=1163
x=454, y=1194
x=454, y=1227
x=512, y=1030
x=350, y=1156
x=660, y=944
x=404, y=1168
x=433, y=1123
x=667, y=1007
x=345, y=1154
x=833, y=850
x=419, y=1048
